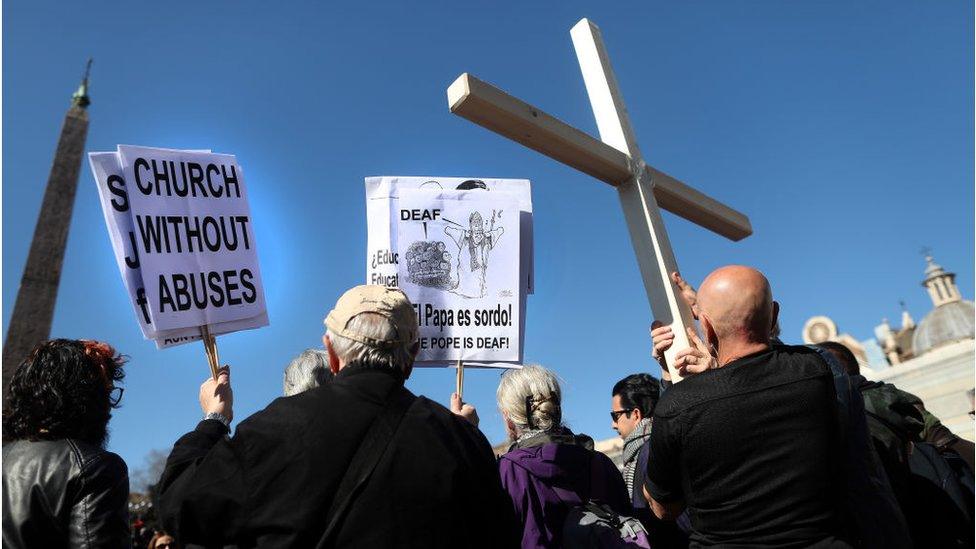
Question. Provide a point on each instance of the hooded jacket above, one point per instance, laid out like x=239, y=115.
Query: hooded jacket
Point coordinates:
x=548, y=474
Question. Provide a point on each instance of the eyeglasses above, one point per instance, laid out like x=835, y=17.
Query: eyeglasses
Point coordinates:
x=615, y=414
x=115, y=396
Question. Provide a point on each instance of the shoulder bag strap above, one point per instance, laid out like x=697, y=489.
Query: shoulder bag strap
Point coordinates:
x=367, y=456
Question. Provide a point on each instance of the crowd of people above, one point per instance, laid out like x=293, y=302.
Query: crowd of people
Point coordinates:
x=760, y=445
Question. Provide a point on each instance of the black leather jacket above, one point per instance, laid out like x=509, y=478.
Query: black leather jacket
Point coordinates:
x=64, y=493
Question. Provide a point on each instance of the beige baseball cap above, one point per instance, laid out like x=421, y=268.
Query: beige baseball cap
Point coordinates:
x=389, y=302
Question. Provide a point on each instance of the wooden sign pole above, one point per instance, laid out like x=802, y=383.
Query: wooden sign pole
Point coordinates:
x=210, y=347
x=460, y=380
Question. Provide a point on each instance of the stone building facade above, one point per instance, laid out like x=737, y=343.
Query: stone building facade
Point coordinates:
x=934, y=359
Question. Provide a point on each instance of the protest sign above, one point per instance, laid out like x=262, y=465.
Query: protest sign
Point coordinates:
x=382, y=197
x=193, y=236
x=386, y=263
x=116, y=208
x=458, y=262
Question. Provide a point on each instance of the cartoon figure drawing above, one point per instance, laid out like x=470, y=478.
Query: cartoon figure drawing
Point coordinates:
x=474, y=245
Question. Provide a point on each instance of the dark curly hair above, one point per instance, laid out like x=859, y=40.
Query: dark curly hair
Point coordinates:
x=62, y=390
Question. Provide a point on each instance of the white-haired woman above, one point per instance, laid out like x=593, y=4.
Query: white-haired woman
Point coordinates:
x=548, y=469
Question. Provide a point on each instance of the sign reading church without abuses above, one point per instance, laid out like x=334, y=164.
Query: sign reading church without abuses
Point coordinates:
x=461, y=250
x=183, y=238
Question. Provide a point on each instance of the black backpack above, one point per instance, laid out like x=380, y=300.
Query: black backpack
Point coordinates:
x=938, y=502
x=942, y=495
x=593, y=524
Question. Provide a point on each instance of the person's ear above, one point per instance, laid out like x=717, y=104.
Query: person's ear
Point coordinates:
x=509, y=427
x=333, y=357
x=710, y=335
x=637, y=415
x=414, y=349
x=774, y=317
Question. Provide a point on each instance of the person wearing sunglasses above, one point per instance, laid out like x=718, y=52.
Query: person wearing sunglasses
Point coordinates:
x=61, y=487
x=632, y=403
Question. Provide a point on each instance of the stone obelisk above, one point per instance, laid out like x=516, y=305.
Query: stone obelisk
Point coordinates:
x=34, y=308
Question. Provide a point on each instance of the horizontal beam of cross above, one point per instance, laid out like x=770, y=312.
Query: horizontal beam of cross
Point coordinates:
x=492, y=108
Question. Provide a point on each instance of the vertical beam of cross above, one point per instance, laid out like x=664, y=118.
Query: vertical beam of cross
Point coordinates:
x=647, y=233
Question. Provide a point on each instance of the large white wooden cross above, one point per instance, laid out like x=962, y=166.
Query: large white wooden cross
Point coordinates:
x=615, y=160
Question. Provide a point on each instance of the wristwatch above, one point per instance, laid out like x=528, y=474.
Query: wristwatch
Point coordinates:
x=219, y=417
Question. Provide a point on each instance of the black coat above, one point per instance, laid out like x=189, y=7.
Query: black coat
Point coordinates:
x=272, y=484
x=64, y=493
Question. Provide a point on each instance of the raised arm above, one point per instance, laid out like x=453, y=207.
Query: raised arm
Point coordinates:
x=456, y=234
x=202, y=492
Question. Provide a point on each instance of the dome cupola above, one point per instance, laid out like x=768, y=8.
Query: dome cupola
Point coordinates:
x=953, y=319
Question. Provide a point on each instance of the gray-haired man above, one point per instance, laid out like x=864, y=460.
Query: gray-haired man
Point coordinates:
x=358, y=462
x=307, y=371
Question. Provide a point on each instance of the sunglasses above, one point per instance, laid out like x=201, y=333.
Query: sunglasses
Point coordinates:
x=615, y=414
x=115, y=396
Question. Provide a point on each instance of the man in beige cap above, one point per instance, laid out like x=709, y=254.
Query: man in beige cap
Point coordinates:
x=359, y=462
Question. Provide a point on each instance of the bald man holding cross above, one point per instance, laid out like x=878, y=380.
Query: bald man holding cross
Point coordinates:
x=617, y=160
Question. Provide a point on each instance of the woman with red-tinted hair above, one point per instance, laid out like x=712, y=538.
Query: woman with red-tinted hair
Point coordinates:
x=61, y=488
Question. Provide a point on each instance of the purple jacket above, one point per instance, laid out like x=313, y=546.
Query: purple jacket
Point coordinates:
x=545, y=479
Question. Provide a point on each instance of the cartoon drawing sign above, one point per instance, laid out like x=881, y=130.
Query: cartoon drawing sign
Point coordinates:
x=458, y=262
x=383, y=253
x=382, y=205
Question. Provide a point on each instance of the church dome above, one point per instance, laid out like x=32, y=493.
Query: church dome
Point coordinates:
x=947, y=323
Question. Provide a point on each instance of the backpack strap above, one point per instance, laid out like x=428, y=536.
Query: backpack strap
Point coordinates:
x=367, y=456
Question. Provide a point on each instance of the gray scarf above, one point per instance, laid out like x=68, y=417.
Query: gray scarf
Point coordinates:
x=632, y=446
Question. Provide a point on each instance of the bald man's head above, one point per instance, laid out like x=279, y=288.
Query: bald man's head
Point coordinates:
x=738, y=304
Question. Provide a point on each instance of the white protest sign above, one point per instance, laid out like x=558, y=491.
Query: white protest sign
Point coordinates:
x=194, y=238
x=114, y=199
x=459, y=265
x=115, y=207
x=382, y=196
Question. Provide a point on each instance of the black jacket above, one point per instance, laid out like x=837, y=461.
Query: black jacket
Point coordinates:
x=64, y=493
x=272, y=484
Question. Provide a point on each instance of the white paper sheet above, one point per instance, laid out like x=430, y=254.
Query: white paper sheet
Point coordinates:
x=459, y=265
x=382, y=195
x=114, y=197
x=194, y=235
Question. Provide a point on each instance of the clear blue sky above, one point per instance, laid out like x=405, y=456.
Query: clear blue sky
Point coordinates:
x=843, y=129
